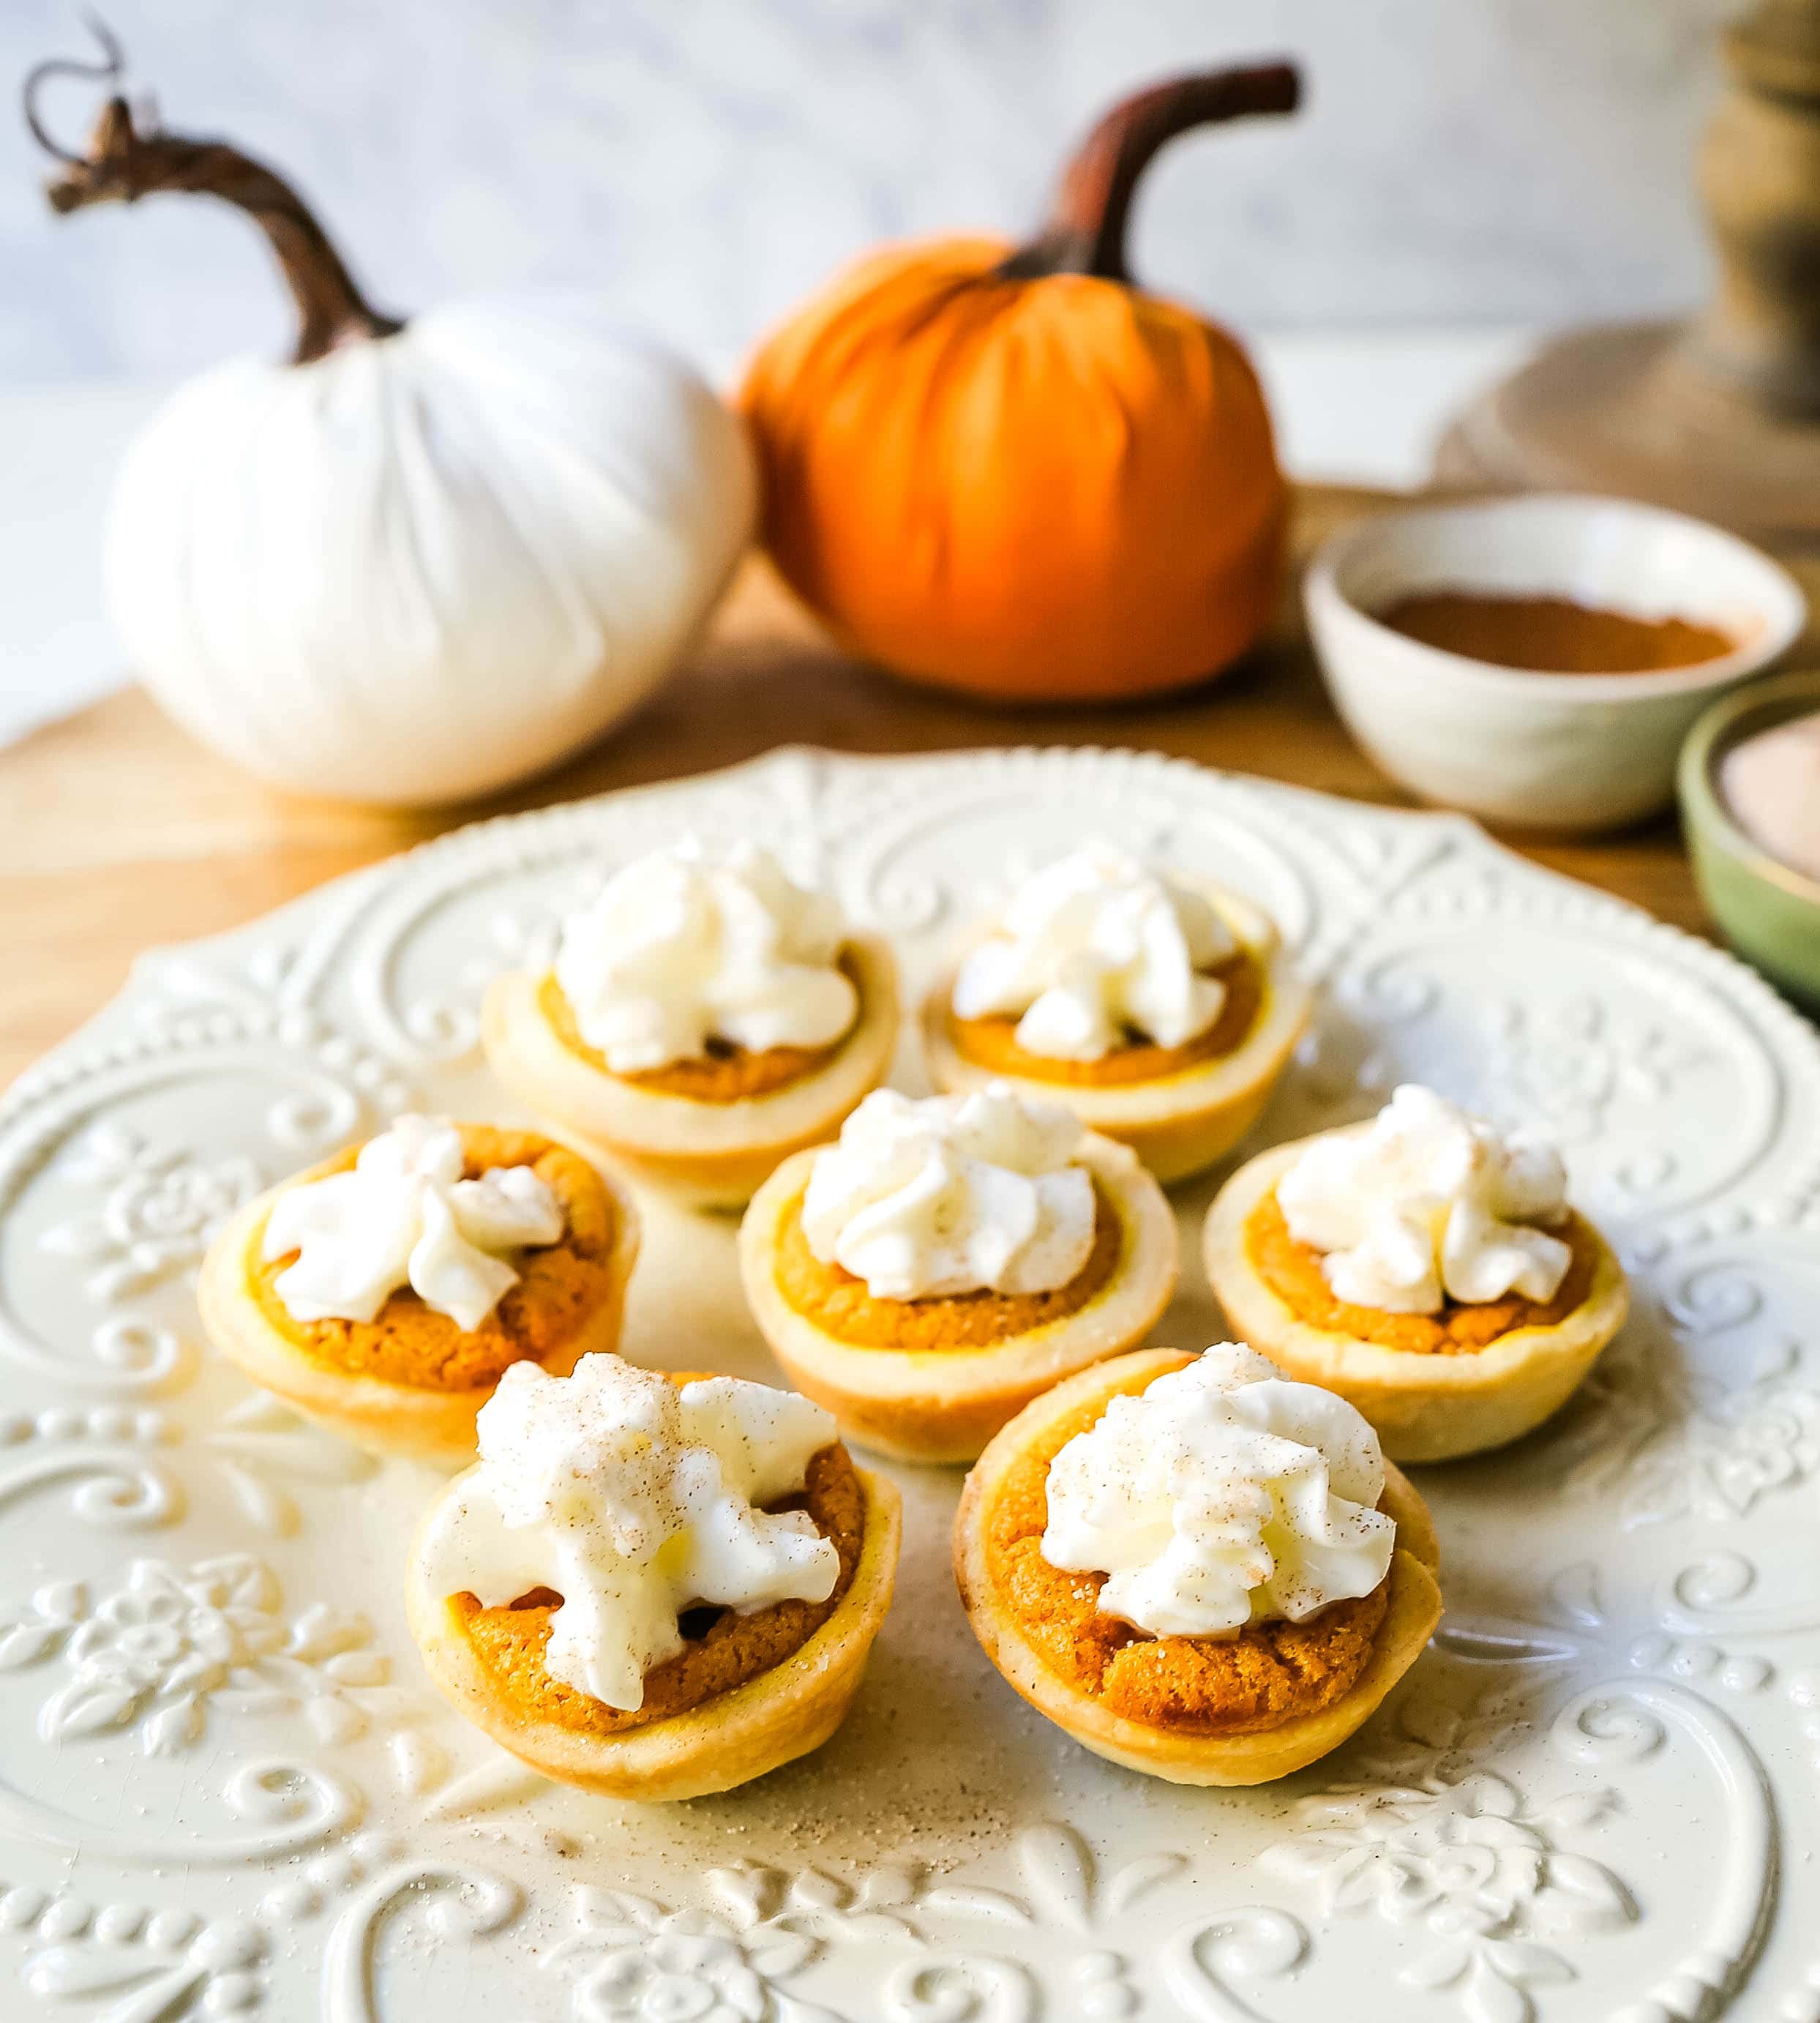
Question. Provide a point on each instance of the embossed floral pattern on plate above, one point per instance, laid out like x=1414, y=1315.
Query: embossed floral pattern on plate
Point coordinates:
x=223, y=1788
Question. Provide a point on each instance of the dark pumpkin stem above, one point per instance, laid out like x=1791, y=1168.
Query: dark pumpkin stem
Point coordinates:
x=125, y=161
x=1086, y=231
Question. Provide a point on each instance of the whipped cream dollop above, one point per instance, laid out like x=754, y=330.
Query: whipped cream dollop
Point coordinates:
x=635, y=1499
x=1096, y=946
x=953, y=1194
x=680, y=948
x=403, y=1215
x=1223, y=1495
x=1428, y=1204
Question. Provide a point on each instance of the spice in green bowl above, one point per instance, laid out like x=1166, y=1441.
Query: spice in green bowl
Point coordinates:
x=1746, y=815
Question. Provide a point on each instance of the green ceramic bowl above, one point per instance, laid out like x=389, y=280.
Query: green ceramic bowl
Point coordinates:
x=1770, y=914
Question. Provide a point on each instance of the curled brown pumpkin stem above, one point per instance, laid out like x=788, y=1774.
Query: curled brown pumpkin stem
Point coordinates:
x=1085, y=233
x=128, y=159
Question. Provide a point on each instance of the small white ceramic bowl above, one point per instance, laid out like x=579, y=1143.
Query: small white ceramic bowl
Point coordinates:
x=1536, y=750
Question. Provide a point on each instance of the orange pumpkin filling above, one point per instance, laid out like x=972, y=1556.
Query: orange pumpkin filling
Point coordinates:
x=839, y=1304
x=560, y=1287
x=1292, y=1271
x=722, y=1649
x=1269, y=1674
x=991, y=1042
x=725, y=1073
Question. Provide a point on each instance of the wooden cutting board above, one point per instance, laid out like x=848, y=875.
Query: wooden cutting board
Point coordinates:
x=121, y=833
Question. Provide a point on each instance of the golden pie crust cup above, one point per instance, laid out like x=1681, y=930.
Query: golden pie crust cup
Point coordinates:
x=713, y=1154
x=1413, y=1611
x=1424, y=1407
x=384, y=1417
x=944, y=1404
x=730, y=1739
x=1179, y=1123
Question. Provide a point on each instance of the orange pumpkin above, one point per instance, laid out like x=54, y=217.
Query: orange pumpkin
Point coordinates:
x=1017, y=473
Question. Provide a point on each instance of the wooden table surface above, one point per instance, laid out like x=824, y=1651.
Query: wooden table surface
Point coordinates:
x=121, y=833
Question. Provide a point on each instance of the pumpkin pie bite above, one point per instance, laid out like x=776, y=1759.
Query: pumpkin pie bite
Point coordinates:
x=1158, y=1007
x=948, y=1259
x=386, y=1291
x=1195, y=1567
x=653, y=1587
x=1425, y=1267
x=704, y=1018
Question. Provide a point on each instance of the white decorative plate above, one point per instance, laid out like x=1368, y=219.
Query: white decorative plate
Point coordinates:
x=224, y=1786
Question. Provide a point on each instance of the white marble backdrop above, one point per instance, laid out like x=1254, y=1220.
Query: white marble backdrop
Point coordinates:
x=706, y=161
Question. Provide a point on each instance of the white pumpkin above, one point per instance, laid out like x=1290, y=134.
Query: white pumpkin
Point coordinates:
x=429, y=563
x=423, y=559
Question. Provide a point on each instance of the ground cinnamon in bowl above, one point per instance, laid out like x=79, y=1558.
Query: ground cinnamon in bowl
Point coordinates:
x=1552, y=635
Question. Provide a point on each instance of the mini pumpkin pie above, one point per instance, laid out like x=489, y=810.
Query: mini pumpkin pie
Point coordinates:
x=704, y=1018
x=948, y=1259
x=1158, y=1009
x=1423, y=1266
x=386, y=1291
x=653, y=1587
x=1196, y=1567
